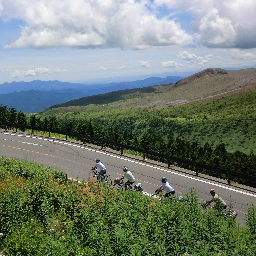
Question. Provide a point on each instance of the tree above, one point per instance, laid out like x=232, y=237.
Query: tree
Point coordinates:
x=32, y=120
x=12, y=115
x=22, y=120
x=53, y=123
x=3, y=114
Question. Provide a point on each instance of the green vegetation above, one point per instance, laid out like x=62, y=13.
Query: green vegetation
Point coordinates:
x=217, y=131
x=230, y=120
x=43, y=213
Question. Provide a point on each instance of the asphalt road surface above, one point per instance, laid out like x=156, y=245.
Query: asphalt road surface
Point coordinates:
x=76, y=159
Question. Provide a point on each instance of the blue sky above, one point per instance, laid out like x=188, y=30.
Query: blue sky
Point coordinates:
x=87, y=40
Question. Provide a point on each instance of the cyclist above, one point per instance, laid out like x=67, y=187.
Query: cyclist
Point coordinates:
x=167, y=187
x=129, y=176
x=100, y=166
x=217, y=199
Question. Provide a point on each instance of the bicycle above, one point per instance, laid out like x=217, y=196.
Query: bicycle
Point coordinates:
x=121, y=184
x=222, y=211
x=103, y=178
x=159, y=195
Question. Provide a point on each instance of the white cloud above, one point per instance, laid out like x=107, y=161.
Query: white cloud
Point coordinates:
x=30, y=72
x=102, y=68
x=171, y=64
x=58, y=70
x=42, y=70
x=91, y=23
x=193, y=58
x=215, y=30
x=226, y=23
x=144, y=64
x=122, y=67
x=15, y=74
x=35, y=72
x=187, y=56
x=242, y=55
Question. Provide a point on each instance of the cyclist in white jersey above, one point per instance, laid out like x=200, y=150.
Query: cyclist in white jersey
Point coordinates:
x=217, y=199
x=129, y=176
x=101, y=167
x=167, y=187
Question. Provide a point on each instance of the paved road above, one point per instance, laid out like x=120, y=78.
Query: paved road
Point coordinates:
x=76, y=159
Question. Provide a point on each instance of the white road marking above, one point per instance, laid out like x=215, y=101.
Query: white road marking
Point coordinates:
x=162, y=169
x=185, y=176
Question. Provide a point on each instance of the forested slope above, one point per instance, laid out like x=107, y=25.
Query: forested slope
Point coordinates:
x=200, y=108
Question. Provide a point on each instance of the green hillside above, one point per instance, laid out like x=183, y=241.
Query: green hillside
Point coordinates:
x=228, y=118
x=137, y=94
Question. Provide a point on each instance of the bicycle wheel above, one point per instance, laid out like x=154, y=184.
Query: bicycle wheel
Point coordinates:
x=91, y=174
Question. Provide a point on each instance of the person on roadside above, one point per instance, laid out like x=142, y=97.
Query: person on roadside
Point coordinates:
x=167, y=187
x=217, y=200
x=100, y=167
x=129, y=176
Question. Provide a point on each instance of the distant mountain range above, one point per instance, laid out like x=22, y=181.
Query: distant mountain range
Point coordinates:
x=35, y=96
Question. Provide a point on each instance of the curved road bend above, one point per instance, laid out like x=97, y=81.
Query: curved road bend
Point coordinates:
x=76, y=159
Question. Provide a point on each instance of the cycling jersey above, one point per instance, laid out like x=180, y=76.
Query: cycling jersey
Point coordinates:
x=128, y=175
x=100, y=166
x=167, y=187
x=216, y=198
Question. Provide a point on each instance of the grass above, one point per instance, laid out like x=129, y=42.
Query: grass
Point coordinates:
x=43, y=213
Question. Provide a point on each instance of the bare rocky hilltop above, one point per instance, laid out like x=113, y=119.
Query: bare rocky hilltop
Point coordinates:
x=211, y=82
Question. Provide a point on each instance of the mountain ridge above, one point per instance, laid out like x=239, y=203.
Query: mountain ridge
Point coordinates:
x=211, y=82
x=22, y=95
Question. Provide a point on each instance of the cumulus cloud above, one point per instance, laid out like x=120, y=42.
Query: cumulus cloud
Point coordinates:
x=35, y=72
x=144, y=64
x=15, y=74
x=242, y=55
x=91, y=23
x=187, y=56
x=30, y=72
x=193, y=58
x=226, y=24
x=171, y=64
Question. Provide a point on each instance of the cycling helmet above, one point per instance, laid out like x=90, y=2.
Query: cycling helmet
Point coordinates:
x=164, y=179
x=97, y=160
x=125, y=169
x=212, y=190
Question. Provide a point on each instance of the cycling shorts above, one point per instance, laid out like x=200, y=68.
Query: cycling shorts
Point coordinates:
x=102, y=172
x=169, y=193
x=129, y=183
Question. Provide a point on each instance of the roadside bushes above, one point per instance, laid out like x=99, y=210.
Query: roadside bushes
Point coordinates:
x=44, y=215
